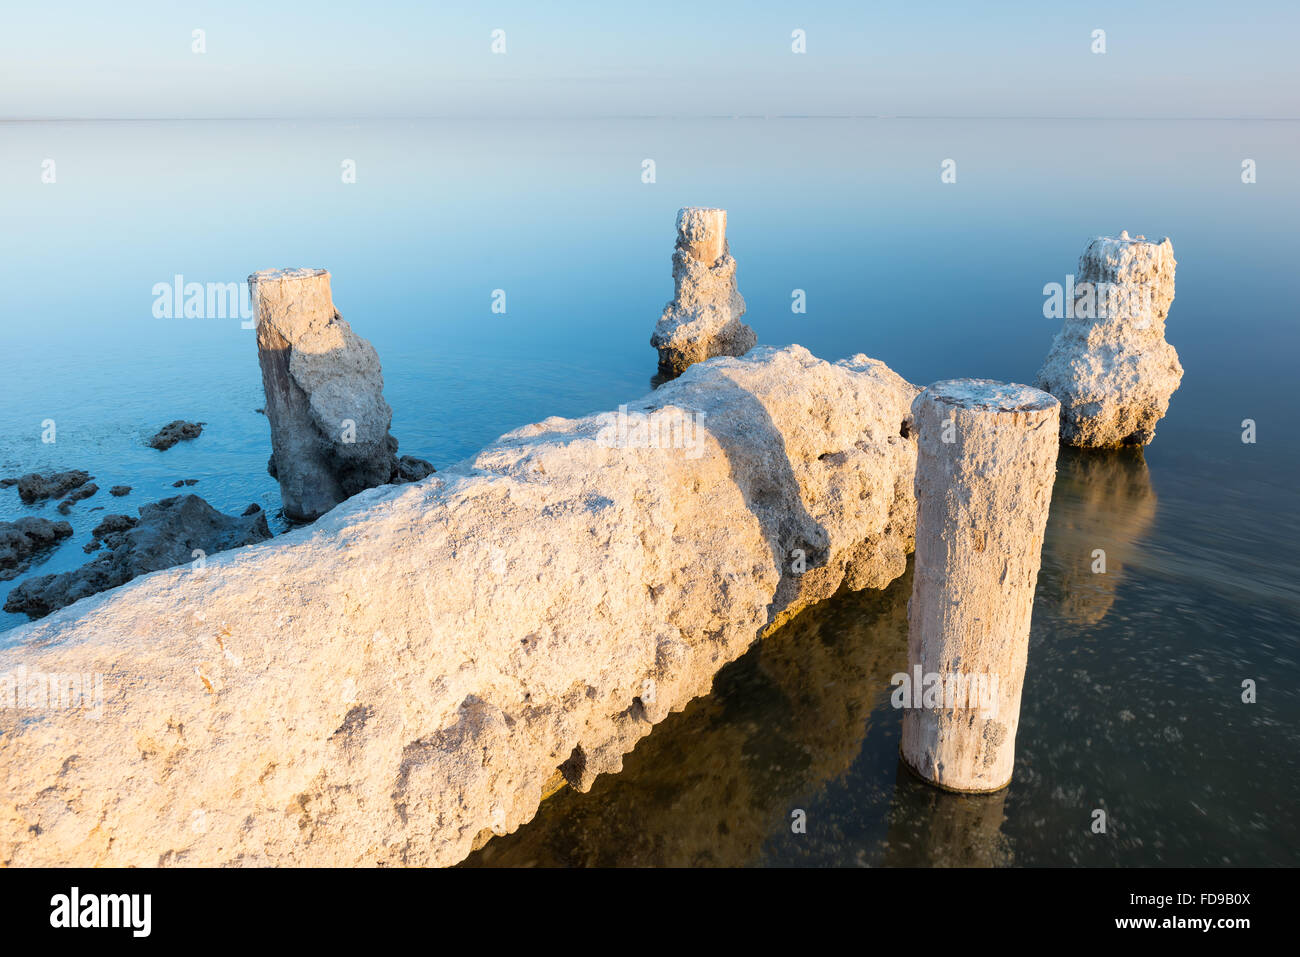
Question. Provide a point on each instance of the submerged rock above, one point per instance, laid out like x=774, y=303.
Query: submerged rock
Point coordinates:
x=119, y=490
x=1110, y=364
x=23, y=540
x=35, y=487
x=409, y=674
x=324, y=395
x=173, y=432
x=166, y=534
x=703, y=319
x=84, y=492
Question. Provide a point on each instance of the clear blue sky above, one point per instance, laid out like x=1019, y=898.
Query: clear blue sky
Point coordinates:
x=404, y=58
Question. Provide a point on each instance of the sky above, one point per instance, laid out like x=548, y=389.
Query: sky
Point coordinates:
x=327, y=58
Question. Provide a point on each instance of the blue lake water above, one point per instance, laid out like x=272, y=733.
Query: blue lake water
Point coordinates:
x=1132, y=699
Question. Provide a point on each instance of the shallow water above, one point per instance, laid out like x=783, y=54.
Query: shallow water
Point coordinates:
x=1132, y=698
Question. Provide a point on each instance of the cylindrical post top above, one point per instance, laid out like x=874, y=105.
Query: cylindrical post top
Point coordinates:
x=987, y=395
x=702, y=232
x=282, y=275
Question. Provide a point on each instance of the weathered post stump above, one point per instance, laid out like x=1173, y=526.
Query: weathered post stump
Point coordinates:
x=1110, y=364
x=703, y=318
x=324, y=397
x=985, y=464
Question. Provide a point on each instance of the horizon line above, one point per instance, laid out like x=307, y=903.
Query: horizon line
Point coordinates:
x=635, y=116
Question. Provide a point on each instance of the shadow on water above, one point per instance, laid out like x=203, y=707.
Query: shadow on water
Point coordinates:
x=715, y=782
x=933, y=828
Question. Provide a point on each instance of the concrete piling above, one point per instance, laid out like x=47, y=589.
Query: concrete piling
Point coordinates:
x=985, y=466
x=703, y=318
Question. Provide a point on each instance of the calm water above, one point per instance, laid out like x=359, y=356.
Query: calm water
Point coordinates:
x=1132, y=698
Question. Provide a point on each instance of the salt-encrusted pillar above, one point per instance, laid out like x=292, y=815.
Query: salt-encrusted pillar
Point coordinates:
x=703, y=319
x=1110, y=364
x=324, y=395
x=985, y=463
x=702, y=232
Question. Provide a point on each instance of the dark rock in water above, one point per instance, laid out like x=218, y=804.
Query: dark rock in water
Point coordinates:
x=411, y=469
x=92, y=546
x=34, y=487
x=120, y=490
x=174, y=432
x=77, y=495
x=179, y=483
x=252, y=509
x=165, y=535
x=23, y=540
x=112, y=525
x=261, y=411
x=6, y=482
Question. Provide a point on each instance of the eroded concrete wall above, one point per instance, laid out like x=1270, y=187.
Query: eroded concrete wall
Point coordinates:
x=386, y=685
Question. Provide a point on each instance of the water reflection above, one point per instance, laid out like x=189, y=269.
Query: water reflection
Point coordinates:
x=715, y=783
x=933, y=828
x=803, y=721
x=1103, y=500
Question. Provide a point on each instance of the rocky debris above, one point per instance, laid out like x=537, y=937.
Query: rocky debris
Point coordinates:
x=113, y=525
x=176, y=431
x=78, y=494
x=166, y=534
x=21, y=541
x=92, y=546
x=35, y=487
x=409, y=673
x=1110, y=364
x=181, y=483
x=324, y=395
x=252, y=509
x=8, y=482
x=703, y=318
x=411, y=469
x=119, y=490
